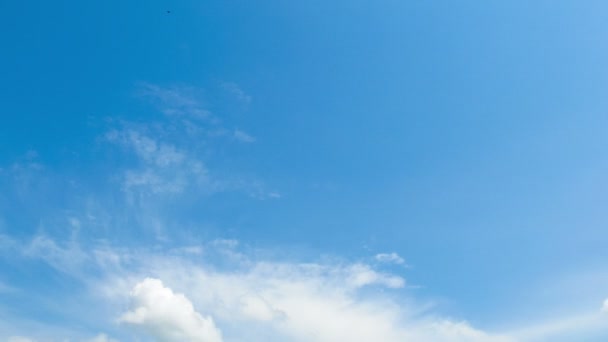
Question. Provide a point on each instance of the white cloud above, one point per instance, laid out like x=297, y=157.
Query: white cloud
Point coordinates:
x=171, y=153
x=393, y=258
x=243, y=136
x=168, y=316
x=98, y=338
x=163, y=168
x=237, y=92
x=67, y=259
x=580, y=327
x=362, y=275
x=264, y=300
x=168, y=157
x=74, y=222
x=605, y=306
x=247, y=298
x=279, y=301
x=258, y=190
x=152, y=152
x=225, y=243
x=176, y=100
x=102, y=338
x=260, y=300
x=274, y=194
x=19, y=339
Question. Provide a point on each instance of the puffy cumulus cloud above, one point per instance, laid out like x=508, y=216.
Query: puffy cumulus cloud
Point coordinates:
x=168, y=316
x=253, y=300
x=275, y=301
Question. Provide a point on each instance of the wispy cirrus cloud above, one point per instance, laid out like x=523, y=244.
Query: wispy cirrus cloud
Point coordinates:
x=177, y=101
x=235, y=90
x=162, y=168
x=69, y=259
x=579, y=326
x=172, y=154
x=243, y=136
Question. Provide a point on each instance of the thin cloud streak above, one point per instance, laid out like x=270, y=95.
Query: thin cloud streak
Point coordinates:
x=390, y=258
x=235, y=90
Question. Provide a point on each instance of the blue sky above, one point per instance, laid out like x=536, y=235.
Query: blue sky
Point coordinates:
x=286, y=171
